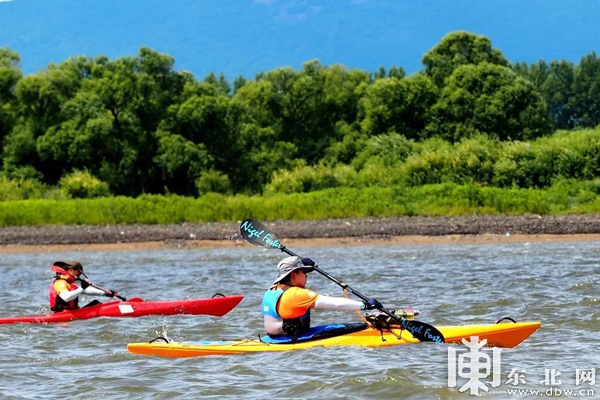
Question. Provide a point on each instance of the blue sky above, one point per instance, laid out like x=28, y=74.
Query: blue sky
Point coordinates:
x=244, y=36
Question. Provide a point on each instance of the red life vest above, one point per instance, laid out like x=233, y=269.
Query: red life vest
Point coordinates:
x=57, y=303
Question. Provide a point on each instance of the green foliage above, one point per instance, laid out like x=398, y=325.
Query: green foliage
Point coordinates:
x=309, y=179
x=22, y=189
x=388, y=160
x=555, y=83
x=390, y=149
x=19, y=151
x=209, y=120
x=140, y=126
x=83, y=185
x=10, y=74
x=345, y=149
x=471, y=160
x=303, y=107
x=456, y=49
x=262, y=154
x=213, y=182
x=565, y=155
x=221, y=84
x=398, y=105
x=517, y=166
x=586, y=91
x=238, y=83
x=99, y=115
x=181, y=161
x=394, y=72
x=429, y=200
x=571, y=91
x=491, y=99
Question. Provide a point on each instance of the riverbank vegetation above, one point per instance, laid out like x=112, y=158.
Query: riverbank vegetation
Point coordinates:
x=447, y=199
x=94, y=140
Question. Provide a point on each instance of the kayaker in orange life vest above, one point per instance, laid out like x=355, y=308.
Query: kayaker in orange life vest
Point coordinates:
x=64, y=294
x=286, y=305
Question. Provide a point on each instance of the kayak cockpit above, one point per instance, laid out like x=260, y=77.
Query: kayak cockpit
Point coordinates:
x=315, y=333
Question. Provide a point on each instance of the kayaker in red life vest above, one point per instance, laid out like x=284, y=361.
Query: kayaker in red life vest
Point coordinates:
x=286, y=305
x=64, y=294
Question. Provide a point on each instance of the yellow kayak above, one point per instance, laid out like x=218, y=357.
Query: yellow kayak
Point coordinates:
x=499, y=335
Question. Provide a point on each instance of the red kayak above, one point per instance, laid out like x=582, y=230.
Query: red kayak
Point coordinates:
x=217, y=306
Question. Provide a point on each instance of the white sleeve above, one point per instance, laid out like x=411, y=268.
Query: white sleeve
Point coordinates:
x=69, y=295
x=337, y=303
x=273, y=326
x=92, y=291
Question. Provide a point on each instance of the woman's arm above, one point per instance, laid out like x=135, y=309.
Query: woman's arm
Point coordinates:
x=69, y=295
x=92, y=291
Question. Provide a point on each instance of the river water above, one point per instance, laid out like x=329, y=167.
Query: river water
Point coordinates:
x=556, y=283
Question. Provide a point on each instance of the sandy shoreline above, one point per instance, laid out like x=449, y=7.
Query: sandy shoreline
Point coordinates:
x=304, y=233
x=300, y=243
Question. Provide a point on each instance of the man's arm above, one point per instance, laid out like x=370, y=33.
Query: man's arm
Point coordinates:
x=337, y=303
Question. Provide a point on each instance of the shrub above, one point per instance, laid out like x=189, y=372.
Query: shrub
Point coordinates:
x=213, y=181
x=83, y=185
x=20, y=189
x=391, y=148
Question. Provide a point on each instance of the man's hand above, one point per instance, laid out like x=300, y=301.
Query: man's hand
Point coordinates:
x=308, y=262
x=84, y=283
x=372, y=304
x=110, y=293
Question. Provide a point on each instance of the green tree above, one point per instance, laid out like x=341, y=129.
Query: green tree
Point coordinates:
x=261, y=155
x=396, y=72
x=492, y=99
x=10, y=74
x=585, y=101
x=207, y=125
x=558, y=91
x=398, y=105
x=99, y=115
x=456, y=49
x=555, y=83
x=390, y=150
x=379, y=74
x=537, y=73
x=238, y=83
x=181, y=162
x=83, y=185
x=304, y=107
x=213, y=182
x=220, y=83
x=224, y=84
x=351, y=141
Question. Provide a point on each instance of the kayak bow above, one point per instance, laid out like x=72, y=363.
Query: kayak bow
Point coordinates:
x=499, y=335
x=217, y=306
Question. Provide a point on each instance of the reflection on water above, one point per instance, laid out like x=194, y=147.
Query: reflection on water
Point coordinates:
x=556, y=283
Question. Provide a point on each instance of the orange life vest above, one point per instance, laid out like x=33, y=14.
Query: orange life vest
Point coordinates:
x=57, y=303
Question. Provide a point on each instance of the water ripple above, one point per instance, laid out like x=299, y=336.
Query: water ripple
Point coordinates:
x=449, y=284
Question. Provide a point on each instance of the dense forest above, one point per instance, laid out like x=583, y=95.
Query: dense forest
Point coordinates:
x=95, y=127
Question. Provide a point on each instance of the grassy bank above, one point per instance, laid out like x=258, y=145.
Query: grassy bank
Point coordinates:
x=429, y=200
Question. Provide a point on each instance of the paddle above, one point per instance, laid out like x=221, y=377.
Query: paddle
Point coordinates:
x=257, y=234
x=60, y=270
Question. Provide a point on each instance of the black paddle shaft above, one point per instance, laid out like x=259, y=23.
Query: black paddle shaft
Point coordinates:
x=344, y=285
x=105, y=291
